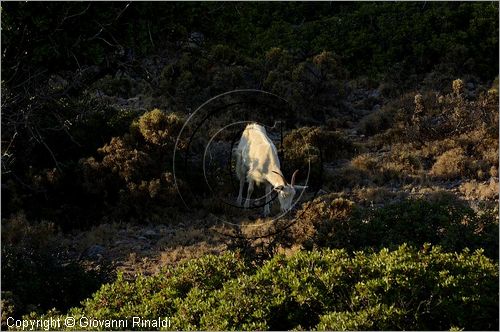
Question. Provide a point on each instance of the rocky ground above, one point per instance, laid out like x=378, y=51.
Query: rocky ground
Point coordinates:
x=133, y=248
x=145, y=249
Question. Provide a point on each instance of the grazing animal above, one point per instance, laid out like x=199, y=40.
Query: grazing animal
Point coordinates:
x=257, y=162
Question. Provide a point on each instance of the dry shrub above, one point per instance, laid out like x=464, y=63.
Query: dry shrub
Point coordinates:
x=362, y=170
x=366, y=162
x=132, y=177
x=159, y=128
x=483, y=149
x=323, y=220
x=314, y=145
x=318, y=143
x=433, y=149
x=374, y=195
x=375, y=122
x=37, y=272
x=346, y=178
x=473, y=154
x=482, y=191
x=408, y=156
x=119, y=158
x=103, y=235
x=451, y=164
x=399, y=165
x=183, y=253
x=494, y=171
x=453, y=114
x=17, y=231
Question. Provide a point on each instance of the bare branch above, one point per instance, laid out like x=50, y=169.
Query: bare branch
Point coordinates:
x=75, y=15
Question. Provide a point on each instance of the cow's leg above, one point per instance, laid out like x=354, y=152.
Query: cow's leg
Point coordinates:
x=240, y=194
x=249, y=192
x=269, y=189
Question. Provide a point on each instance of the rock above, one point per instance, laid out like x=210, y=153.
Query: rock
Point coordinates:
x=470, y=86
x=470, y=94
x=196, y=39
x=322, y=192
x=94, y=252
x=149, y=233
x=375, y=94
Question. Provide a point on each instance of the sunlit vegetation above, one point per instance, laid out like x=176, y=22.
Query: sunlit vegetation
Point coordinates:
x=391, y=116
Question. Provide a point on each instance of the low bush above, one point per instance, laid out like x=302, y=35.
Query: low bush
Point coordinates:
x=436, y=116
x=450, y=165
x=37, y=273
x=401, y=164
x=375, y=122
x=480, y=191
x=334, y=222
x=313, y=146
x=132, y=177
x=401, y=289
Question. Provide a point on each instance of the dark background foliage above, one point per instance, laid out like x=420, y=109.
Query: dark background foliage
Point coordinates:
x=55, y=56
x=384, y=94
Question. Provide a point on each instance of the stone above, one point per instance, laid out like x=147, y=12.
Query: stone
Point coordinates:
x=149, y=233
x=375, y=94
x=94, y=251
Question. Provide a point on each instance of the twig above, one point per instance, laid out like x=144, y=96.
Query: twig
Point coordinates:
x=150, y=38
x=76, y=59
x=40, y=140
x=11, y=141
x=30, y=78
x=75, y=15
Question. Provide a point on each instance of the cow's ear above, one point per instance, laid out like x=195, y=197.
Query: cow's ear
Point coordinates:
x=278, y=188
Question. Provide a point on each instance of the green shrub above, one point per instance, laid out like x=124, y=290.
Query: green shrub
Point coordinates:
x=377, y=317
x=401, y=289
x=330, y=221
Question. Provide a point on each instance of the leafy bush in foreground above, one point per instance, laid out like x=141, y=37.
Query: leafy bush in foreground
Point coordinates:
x=333, y=222
x=402, y=289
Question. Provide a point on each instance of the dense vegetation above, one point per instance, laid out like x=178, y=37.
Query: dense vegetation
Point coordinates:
x=405, y=289
x=335, y=222
x=393, y=105
x=413, y=38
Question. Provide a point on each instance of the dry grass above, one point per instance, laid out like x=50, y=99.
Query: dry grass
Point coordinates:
x=103, y=235
x=450, y=165
x=473, y=190
x=400, y=164
x=375, y=195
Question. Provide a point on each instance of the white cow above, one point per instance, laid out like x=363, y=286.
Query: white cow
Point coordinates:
x=257, y=162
